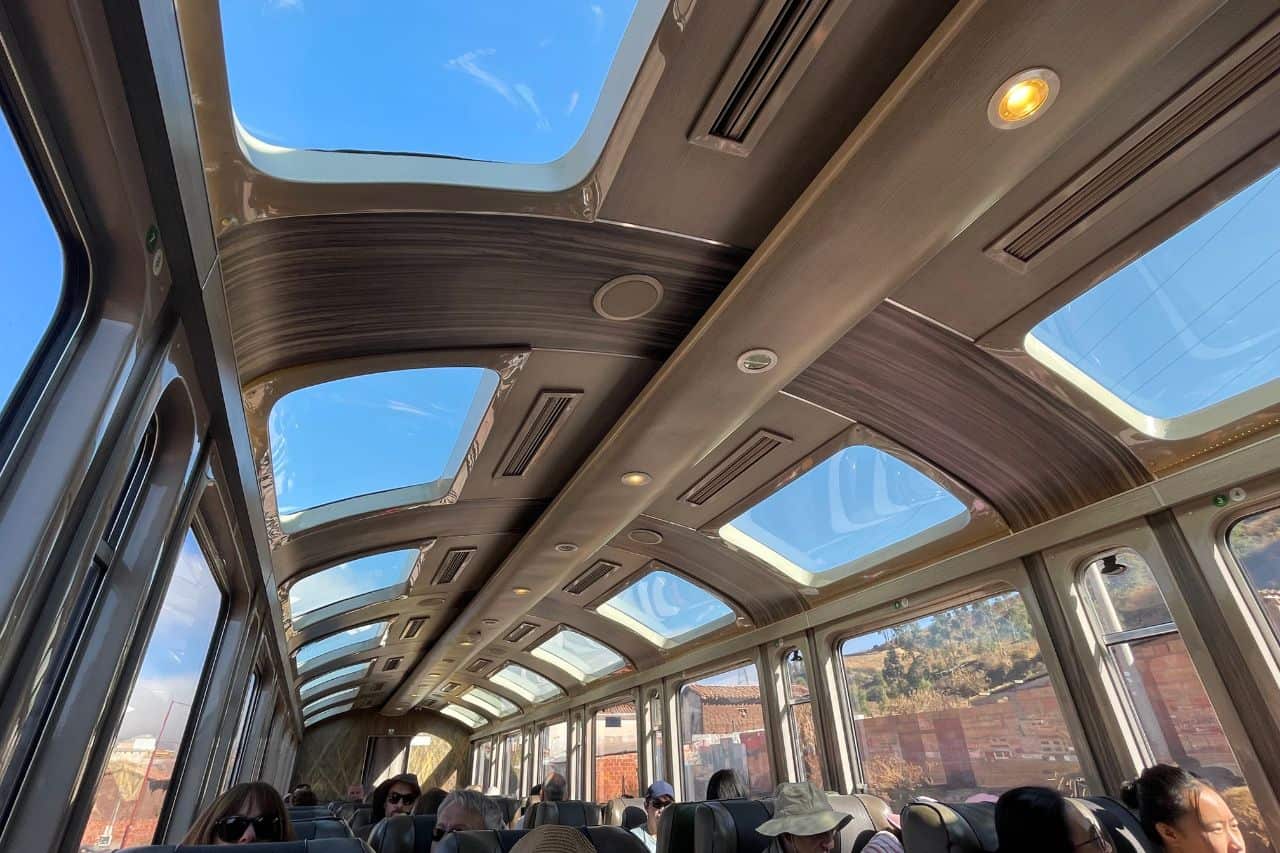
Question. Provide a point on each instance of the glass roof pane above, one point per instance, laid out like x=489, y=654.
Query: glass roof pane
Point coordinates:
x=466, y=716
x=859, y=507
x=373, y=433
x=354, y=672
x=526, y=683
x=1188, y=325
x=496, y=705
x=667, y=610
x=334, y=699
x=349, y=579
x=340, y=640
x=507, y=81
x=581, y=656
x=324, y=715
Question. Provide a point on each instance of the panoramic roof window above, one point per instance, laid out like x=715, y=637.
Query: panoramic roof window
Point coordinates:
x=581, y=656
x=403, y=432
x=324, y=702
x=469, y=84
x=667, y=610
x=526, y=683
x=387, y=571
x=856, y=509
x=333, y=678
x=1182, y=340
x=349, y=639
x=324, y=715
x=496, y=705
x=466, y=716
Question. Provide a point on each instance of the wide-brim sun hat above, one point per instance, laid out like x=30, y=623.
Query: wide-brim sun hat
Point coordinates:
x=800, y=808
x=553, y=838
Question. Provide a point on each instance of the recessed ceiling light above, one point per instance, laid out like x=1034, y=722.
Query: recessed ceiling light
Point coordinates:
x=521, y=590
x=757, y=361
x=636, y=478
x=1023, y=98
x=645, y=537
x=466, y=642
x=627, y=297
x=567, y=547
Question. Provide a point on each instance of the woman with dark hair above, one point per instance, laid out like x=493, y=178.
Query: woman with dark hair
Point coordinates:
x=395, y=796
x=1040, y=820
x=246, y=813
x=726, y=785
x=429, y=802
x=1181, y=813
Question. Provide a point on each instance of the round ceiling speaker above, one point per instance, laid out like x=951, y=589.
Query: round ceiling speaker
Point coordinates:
x=645, y=537
x=627, y=297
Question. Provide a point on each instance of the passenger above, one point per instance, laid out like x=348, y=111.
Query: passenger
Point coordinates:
x=1040, y=820
x=1181, y=813
x=303, y=796
x=429, y=802
x=657, y=797
x=803, y=820
x=246, y=813
x=466, y=810
x=555, y=788
x=395, y=796
x=552, y=838
x=726, y=785
x=535, y=797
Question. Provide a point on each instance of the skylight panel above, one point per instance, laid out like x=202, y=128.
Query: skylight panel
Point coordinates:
x=526, y=683
x=856, y=509
x=325, y=701
x=333, y=678
x=394, y=438
x=584, y=658
x=387, y=571
x=466, y=716
x=324, y=715
x=502, y=93
x=359, y=637
x=496, y=705
x=1184, y=339
x=667, y=610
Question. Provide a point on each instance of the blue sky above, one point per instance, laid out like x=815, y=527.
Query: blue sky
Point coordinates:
x=668, y=604
x=31, y=265
x=502, y=80
x=349, y=579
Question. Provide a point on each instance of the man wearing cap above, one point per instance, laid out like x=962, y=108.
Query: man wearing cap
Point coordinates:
x=657, y=797
x=803, y=820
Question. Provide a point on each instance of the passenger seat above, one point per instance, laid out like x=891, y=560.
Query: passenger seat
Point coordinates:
x=565, y=813
x=615, y=808
x=403, y=833
x=606, y=839
x=728, y=826
x=947, y=828
x=320, y=845
x=508, y=806
x=331, y=827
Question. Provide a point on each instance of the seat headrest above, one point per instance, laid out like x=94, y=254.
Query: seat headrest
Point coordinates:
x=729, y=826
x=320, y=845
x=862, y=824
x=403, y=833
x=508, y=806
x=362, y=814
x=615, y=808
x=944, y=828
x=1127, y=834
x=329, y=827
x=606, y=839
x=566, y=813
x=633, y=816
x=675, y=828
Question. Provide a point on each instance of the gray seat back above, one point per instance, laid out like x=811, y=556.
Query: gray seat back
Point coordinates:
x=949, y=828
x=606, y=839
x=403, y=833
x=330, y=827
x=729, y=826
x=862, y=823
x=320, y=845
x=566, y=813
x=614, y=809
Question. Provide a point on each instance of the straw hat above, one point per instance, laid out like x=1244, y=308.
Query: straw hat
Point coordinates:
x=801, y=809
x=553, y=838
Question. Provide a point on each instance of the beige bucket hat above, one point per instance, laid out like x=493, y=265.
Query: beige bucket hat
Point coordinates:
x=801, y=809
x=553, y=838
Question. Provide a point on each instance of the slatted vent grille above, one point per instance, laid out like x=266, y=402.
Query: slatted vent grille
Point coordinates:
x=479, y=665
x=392, y=664
x=598, y=571
x=520, y=631
x=451, y=687
x=413, y=628
x=733, y=466
x=1140, y=153
x=550, y=412
x=452, y=565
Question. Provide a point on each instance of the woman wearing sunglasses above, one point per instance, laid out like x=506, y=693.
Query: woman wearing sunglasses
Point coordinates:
x=247, y=813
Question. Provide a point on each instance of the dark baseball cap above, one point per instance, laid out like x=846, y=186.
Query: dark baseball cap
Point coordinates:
x=660, y=789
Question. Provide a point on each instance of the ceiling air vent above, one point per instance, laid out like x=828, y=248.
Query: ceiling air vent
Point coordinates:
x=520, y=631
x=392, y=664
x=733, y=466
x=550, y=412
x=455, y=560
x=451, y=687
x=600, y=570
x=479, y=665
x=1187, y=121
x=769, y=62
x=413, y=627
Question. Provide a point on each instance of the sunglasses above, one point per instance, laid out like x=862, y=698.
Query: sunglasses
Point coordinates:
x=396, y=798
x=231, y=829
x=659, y=805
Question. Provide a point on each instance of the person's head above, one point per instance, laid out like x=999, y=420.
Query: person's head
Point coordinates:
x=561, y=839
x=466, y=810
x=429, y=802
x=803, y=820
x=555, y=788
x=1040, y=820
x=657, y=797
x=1181, y=813
x=305, y=797
x=535, y=794
x=726, y=785
x=395, y=796
x=246, y=813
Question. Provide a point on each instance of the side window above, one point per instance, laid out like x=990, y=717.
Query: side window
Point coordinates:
x=1255, y=543
x=1168, y=702
x=553, y=751
x=616, y=767
x=31, y=267
x=957, y=703
x=800, y=722
x=513, y=752
x=236, y=755
x=131, y=792
x=722, y=725
x=654, y=728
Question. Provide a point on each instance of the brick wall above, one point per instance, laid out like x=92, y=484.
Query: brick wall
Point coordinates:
x=617, y=775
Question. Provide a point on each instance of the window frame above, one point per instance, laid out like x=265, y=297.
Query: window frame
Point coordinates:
x=1263, y=634
x=541, y=732
x=319, y=662
x=736, y=612
x=589, y=740
x=790, y=746
x=353, y=602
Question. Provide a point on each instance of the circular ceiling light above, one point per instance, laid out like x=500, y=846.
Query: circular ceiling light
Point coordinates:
x=636, y=478
x=645, y=537
x=466, y=642
x=566, y=547
x=757, y=361
x=1023, y=98
x=627, y=297
x=521, y=590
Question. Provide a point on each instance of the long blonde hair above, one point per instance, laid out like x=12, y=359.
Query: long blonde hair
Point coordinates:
x=229, y=802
